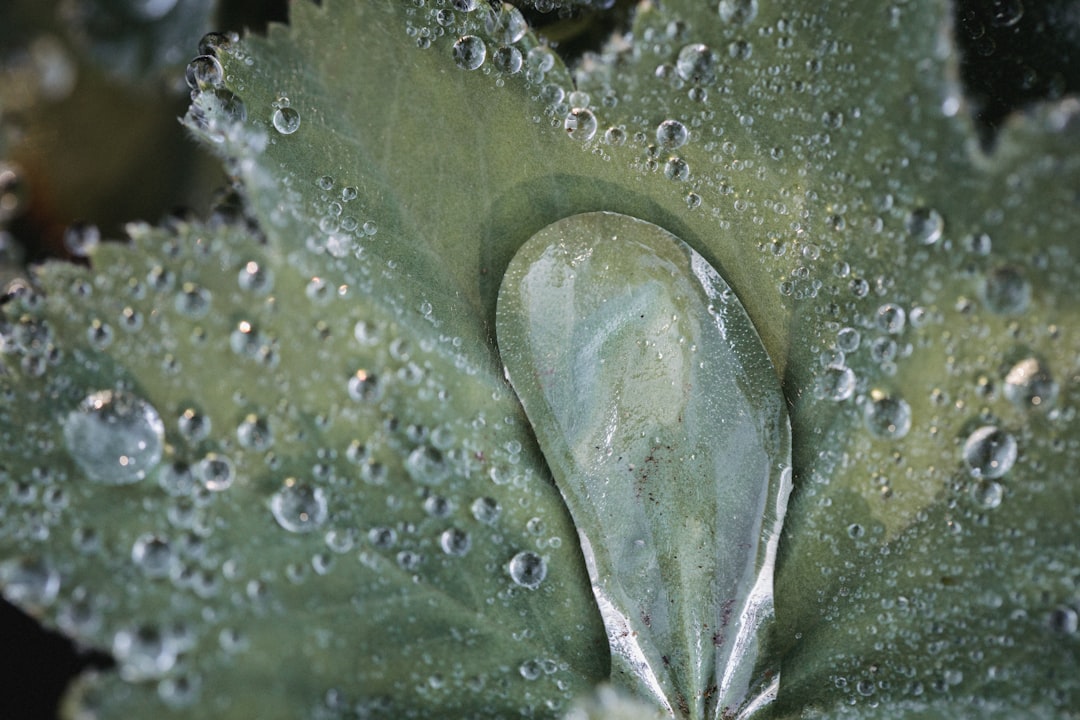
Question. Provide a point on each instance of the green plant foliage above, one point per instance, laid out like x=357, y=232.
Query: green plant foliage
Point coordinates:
x=662, y=420
x=166, y=412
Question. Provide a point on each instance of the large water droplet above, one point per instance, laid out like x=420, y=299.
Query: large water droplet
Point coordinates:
x=115, y=437
x=836, y=383
x=989, y=452
x=527, y=569
x=299, y=507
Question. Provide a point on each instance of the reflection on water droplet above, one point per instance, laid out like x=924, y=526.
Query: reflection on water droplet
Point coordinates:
x=527, y=569
x=989, y=452
x=299, y=507
x=469, y=52
x=114, y=437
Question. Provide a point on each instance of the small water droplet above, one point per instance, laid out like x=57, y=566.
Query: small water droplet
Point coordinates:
x=365, y=387
x=427, y=465
x=696, y=64
x=143, y=653
x=580, y=124
x=836, y=384
x=455, y=542
x=738, y=12
x=924, y=225
x=505, y=23
x=115, y=437
x=299, y=507
x=286, y=120
x=469, y=52
x=153, y=555
x=507, y=59
x=216, y=472
x=80, y=238
x=989, y=452
x=672, y=134
x=486, y=510
x=888, y=417
x=204, y=72
x=527, y=569
x=1006, y=290
x=29, y=583
x=891, y=318
x=1029, y=384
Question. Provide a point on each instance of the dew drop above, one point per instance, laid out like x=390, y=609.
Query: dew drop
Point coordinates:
x=672, y=134
x=143, y=653
x=204, y=72
x=1028, y=384
x=888, y=417
x=580, y=124
x=507, y=59
x=427, y=465
x=299, y=507
x=254, y=433
x=738, y=12
x=469, y=52
x=365, y=387
x=696, y=64
x=114, y=437
x=216, y=472
x=836, y=384
x=989, y=452
x=987, y=493
x=153, y=555
x=891, y=318
x=1006, y=291
x=924, y=225
x=29, y=583
x=505, y=23
x=486, y=510
x=455, y=542
x=527, y=569
x=677, y=169
x=286, y=120
x=80, y=239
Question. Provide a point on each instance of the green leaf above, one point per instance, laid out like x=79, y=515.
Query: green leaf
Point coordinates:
x=662, y=419
x=268, y=495
x=828, y=171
